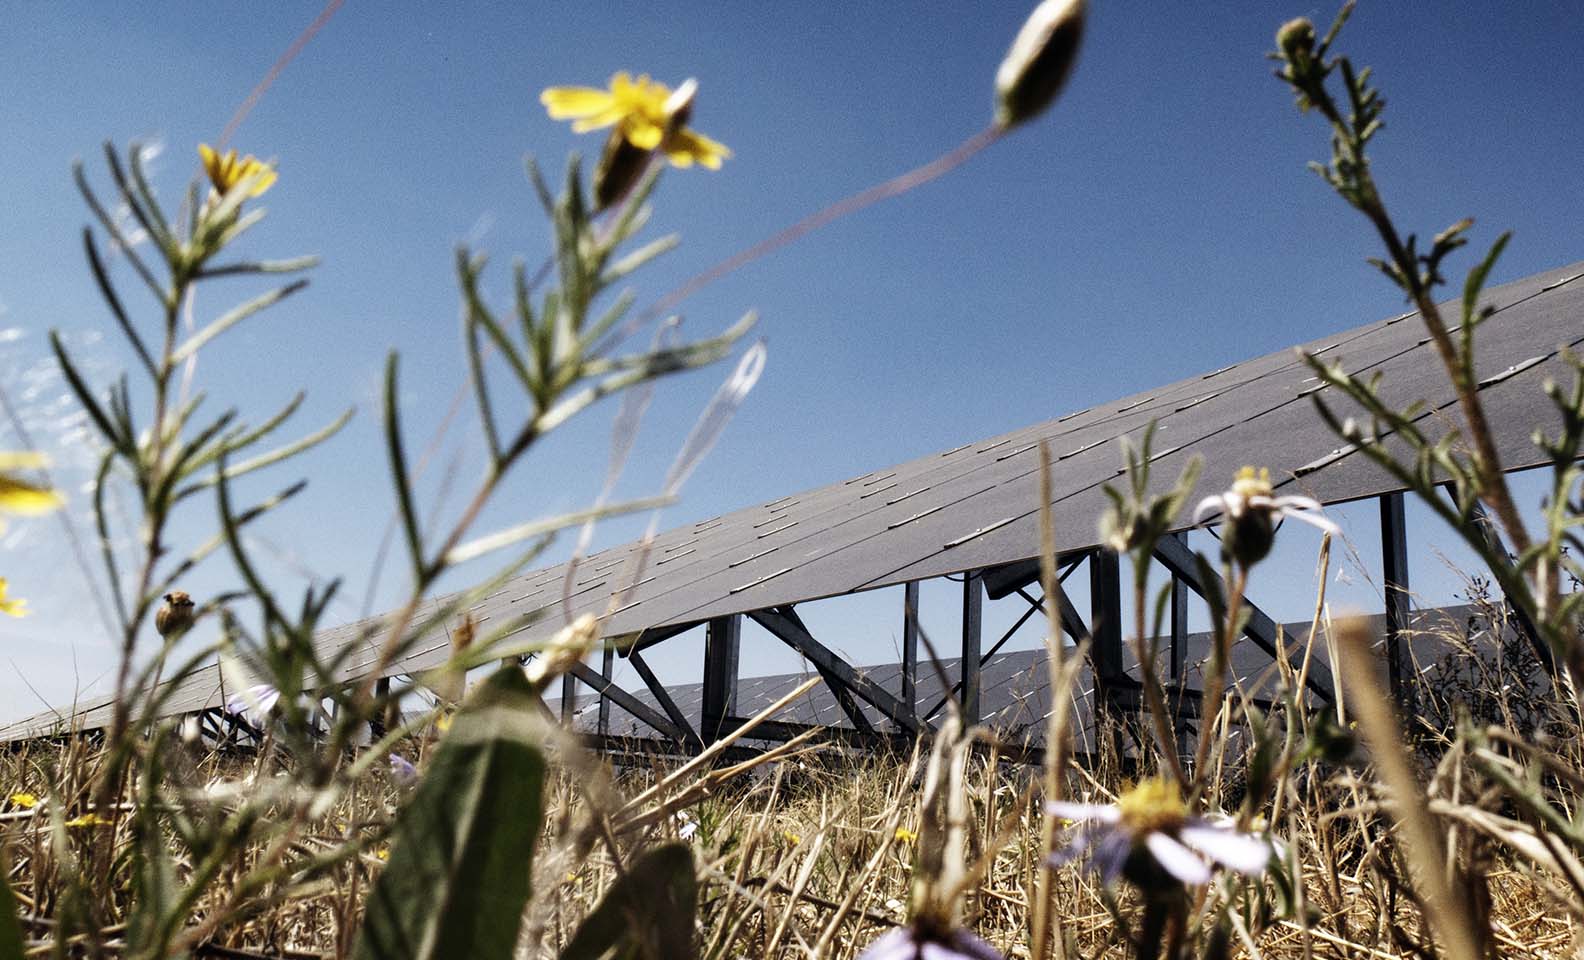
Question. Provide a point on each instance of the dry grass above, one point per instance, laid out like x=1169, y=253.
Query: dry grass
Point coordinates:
x=812, y=853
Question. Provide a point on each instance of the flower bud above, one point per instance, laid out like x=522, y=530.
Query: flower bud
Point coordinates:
x=1036, y=67
x=1296, y=38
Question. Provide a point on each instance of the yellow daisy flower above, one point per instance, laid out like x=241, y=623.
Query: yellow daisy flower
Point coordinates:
x=87, y=820
x=25, y=801
x=905, y=835
x=226, y=171
x=639, y=110
x=18, y=496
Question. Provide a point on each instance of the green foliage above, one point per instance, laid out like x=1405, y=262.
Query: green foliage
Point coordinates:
x=462, y=849
x=648, y=913
x=10, y=929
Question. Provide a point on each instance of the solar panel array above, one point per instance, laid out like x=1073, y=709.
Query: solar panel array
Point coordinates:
x=976, y=505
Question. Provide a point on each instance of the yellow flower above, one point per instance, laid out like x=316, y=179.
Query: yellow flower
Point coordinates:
x=791, y=837
x=639, y=110
x=226, y=171
x=905, y=835
x=14, y=606
x=18, y=496
x=87, y=820
x=443, y=722
x=26, y=801
x=382, y=853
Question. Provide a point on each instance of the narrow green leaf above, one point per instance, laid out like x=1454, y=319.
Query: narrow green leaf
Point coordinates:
x=462, y=849
x=648, y=913
x=10, y=929
x=236, y=315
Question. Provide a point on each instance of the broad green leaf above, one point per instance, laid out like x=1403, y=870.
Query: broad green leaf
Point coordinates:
x=648, y=914
x=462, y=849
x=10, y=929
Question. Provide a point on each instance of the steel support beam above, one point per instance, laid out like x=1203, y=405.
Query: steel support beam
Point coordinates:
x=972, y=645
x=799, y=639
x=1260, y=628
x=1394, y=567
x=722, y=648
x=644, y=639
x=607, y=668
x=1179, y=657
x=568, y=696
x=663, y=697
x=1007, y=579
x=844, y=697
x=1105, y=625
x=627, y=702
x=910, y=642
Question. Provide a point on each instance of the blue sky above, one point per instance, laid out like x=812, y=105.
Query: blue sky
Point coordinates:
x=1158, y=222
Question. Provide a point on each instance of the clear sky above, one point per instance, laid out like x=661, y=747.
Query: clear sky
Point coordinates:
x=1157, y=223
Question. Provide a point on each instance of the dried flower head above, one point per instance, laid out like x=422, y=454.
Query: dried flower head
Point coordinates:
x=1041, y=58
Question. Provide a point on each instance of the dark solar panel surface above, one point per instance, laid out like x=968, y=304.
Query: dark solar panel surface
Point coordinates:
x=976, y=505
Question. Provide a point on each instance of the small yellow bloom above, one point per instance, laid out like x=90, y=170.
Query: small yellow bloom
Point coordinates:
x=26, y=801
x=638, y=109
x=1154, y=804
x=12, y=606
x=791, y=837
x=1251, y=483
x=226, y=171
x=18, y=496
x=905, y=835
x=382, y=853
x=443, y=722
x=87, y=820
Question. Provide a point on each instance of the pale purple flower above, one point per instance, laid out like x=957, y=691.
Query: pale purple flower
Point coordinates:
x=254, y=703
x=1148, y=831
x=908, y=943
x=402, y=770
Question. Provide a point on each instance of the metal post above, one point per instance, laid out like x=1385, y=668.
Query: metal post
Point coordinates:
x=1394, y=562
x=910, y=633
x=1179, y=658
x=1105, y=625
x=607, y=667
x=722, y=647
x=972, y=621
x=568, y=698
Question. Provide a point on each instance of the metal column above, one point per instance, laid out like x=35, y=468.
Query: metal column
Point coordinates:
x=722, y=647
x=972, y=622
x=1105, y=625
x=1179, y=660
x=910, y=635
x=607, y=667
x=1394, y=563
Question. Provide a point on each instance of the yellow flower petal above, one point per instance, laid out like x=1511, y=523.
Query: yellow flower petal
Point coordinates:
x=568, y=103
x=642, y=132
x=17, y=496
x=687, y=147
x=22, y=460
x=226, y=171
x=26, y=801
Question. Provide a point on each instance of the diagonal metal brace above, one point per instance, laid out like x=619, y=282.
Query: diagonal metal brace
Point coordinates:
x=686, y=734
x=794, y=635
x=627, y=702
x=1260, y=628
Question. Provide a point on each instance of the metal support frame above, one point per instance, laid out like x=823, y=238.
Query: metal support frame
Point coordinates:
x=722, y=649
x=790, y=632
x=1105, y=626
x=1179, y=659
x=844, y=697
x=627, y=702
x=972, y=641
x=607, y=667
x=910, y=642
x=1259, y=627
x=662, y=696
x=1394, y=567
x=568, y=696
